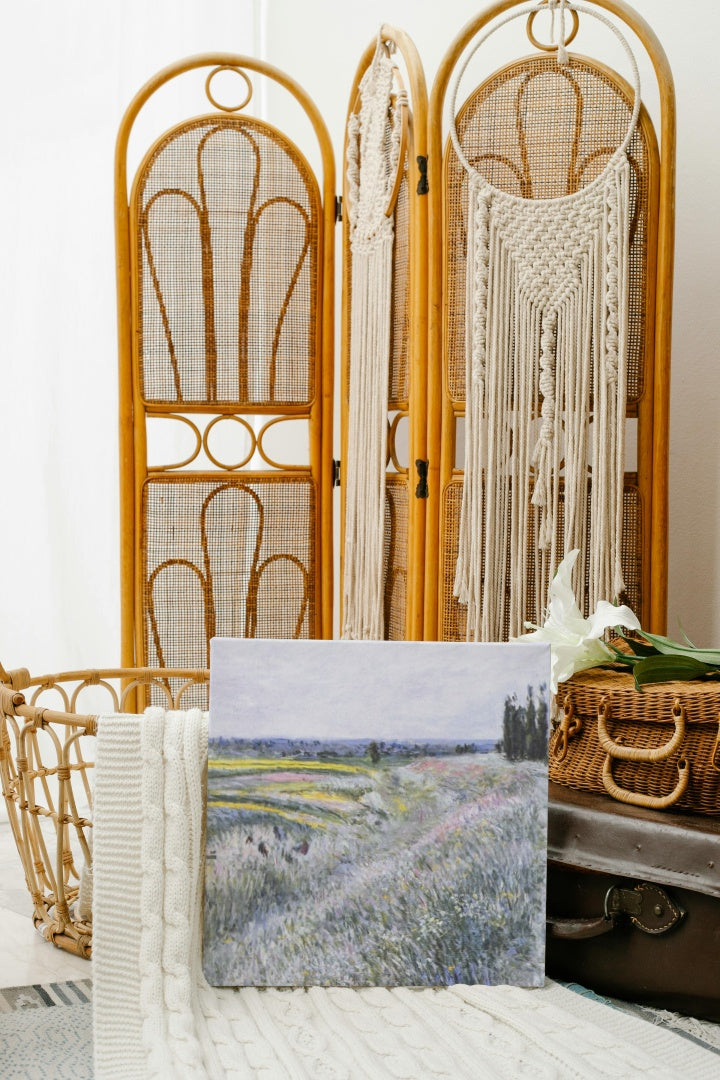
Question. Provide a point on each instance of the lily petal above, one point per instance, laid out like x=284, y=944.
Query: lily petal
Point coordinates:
x=607, y=615
x=575, y=642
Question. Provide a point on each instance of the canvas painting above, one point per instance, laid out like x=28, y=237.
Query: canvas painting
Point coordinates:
x=376, y=813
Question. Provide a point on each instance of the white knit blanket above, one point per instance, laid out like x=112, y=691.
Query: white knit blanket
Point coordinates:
x=155, y=1015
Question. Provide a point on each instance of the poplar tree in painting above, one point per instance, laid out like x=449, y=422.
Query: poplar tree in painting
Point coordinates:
x=542, y=725
x=525, y=727
x=531, y=732
x=512, y=729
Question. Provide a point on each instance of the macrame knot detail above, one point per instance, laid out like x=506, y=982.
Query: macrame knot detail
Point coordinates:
x=372, y=163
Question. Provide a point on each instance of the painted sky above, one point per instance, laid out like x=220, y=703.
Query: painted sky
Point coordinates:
x=367, y=689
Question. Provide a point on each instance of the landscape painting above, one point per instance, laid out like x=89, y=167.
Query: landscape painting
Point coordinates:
x=376, y=814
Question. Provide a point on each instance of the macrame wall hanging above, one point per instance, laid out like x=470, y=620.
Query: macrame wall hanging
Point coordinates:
x=546, y=340
x=375, y=159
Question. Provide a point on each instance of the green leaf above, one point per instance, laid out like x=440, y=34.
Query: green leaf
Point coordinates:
x=672, y=648
x=620, y=657
x=667, y=668
x=640, y=648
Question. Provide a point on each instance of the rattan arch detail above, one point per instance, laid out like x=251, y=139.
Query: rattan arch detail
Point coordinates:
x=225, y=281
x=645, y=500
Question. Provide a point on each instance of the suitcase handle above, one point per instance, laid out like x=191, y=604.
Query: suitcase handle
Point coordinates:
x=578, y=929
x=652, y=802
x=647, y=906
x=634, y=753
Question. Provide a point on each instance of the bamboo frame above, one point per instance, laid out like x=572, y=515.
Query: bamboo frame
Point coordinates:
x=31, y=766
x=414, y=407
x=133, y=411
x=654, y=410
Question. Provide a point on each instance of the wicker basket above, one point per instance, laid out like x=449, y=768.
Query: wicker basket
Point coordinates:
x=46, y=754
x=658, y=748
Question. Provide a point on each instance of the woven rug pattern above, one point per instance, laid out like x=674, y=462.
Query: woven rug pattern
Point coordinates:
x=46, y=1031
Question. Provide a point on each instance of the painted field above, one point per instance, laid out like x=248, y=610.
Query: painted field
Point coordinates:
x=373, y=865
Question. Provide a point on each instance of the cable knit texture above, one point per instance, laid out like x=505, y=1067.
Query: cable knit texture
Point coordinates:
x=156, y=1016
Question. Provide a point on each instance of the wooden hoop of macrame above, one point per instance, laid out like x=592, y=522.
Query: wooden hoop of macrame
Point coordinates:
x=546, y=324
x=374, y=162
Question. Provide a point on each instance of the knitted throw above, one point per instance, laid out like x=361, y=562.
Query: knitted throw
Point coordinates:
x=156, y=1017
x=546, y=322
x=373, y=158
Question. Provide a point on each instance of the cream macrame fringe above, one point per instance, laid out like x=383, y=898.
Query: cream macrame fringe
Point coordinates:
x=372, y=162
x=546, y=320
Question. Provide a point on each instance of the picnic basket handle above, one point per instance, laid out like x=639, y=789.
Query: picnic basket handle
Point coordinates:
x=634, y=753
x=651, y=802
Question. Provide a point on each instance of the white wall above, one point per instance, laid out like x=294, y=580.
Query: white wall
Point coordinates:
x=67, y=72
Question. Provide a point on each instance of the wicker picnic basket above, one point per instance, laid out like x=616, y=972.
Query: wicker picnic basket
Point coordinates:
x=46, y=758
x=657, y=748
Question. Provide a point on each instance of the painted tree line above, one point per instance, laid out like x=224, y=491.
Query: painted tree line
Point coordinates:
x=525, y=727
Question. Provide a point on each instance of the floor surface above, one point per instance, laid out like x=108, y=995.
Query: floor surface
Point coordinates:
x=25, y=957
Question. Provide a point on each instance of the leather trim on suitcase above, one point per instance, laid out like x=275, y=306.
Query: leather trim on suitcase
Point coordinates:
x=634, y=902
x=593, y=832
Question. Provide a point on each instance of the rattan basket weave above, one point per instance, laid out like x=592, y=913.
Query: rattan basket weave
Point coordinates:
x=46, y=758
x=659, y=747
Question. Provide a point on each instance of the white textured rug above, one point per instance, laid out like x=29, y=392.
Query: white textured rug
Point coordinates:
x=155, y=1016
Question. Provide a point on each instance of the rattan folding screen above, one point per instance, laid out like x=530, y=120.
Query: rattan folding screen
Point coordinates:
x=225, y=250
x=225, y=256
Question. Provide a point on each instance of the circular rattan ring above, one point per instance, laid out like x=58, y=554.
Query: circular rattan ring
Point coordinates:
x=551, y=48
x=223, y=464
x=238, y=71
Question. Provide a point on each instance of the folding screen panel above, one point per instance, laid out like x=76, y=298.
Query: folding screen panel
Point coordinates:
x=390, y=486
x=541, y=129
x=225, y=284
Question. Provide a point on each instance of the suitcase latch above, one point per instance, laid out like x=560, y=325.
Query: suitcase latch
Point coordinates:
x=646, y=905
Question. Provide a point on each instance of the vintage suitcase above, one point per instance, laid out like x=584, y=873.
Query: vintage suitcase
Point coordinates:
x=633, y=902
x=656, y=748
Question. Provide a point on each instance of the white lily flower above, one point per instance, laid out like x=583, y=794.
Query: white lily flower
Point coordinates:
x=575, y=642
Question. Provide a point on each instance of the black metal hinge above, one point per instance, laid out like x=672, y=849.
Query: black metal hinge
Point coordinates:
x=338, y=208
x=421, y=491
x=422, y=188
x=336, y=474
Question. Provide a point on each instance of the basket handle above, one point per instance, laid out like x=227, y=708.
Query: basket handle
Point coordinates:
x=633, y=753
x=715, y=755
x=652, y=802
x=570, y=726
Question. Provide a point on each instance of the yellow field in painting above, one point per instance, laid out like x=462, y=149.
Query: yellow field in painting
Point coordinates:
x=276, y=764
x=289, y=815
x=301, y=801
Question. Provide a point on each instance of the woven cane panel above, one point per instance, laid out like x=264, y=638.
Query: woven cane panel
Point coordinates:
x=539, y=131
x=453, y=621
x=226, y=231
x=232, y=558
x=396, y=556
